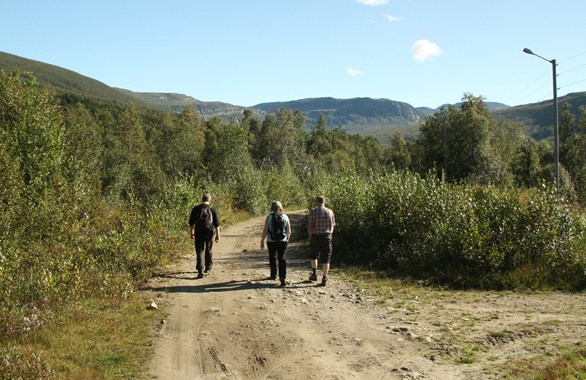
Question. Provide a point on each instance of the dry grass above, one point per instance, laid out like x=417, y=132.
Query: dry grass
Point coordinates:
x=94, y=340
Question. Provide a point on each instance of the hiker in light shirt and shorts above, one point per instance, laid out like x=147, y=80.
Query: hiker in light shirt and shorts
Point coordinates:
x=320, y=226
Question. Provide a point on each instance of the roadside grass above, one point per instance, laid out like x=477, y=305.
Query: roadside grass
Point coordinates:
x=394, y=294
x=92, y=340
x=379, y=286
x=571, y=365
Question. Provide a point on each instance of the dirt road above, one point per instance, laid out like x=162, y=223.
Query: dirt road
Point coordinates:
x=237, y=324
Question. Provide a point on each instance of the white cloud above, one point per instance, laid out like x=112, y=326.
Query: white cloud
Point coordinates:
x=373, y=2
x=392, y=18
x=353, y=72
x=423, y=50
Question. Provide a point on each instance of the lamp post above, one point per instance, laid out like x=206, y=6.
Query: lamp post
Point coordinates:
x=556, y=139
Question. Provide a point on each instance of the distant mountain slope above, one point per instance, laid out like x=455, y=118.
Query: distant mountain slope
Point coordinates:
x=357, y=115
x=364, y=116
x=491, y=106
x=62, y=80
x=69, y=82
x=177, y=102
x=538, y=117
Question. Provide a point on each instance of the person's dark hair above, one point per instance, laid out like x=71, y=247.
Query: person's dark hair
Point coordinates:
x=321, y=199
x=206, y=198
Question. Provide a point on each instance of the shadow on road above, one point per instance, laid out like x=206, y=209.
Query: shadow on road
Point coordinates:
x=227, y=286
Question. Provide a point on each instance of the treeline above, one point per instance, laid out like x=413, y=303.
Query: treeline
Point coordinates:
x=467, y=145
x=94, y=196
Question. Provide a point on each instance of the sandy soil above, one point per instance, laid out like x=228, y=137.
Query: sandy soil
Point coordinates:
x=236, y=323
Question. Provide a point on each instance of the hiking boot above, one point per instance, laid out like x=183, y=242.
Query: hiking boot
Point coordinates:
x=283, y=283
x=313, y=277
x=200, y=275
x=273, y=277
x=207, y=269
x=324, y=280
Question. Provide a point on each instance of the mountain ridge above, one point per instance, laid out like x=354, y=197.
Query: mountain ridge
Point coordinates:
x=362, y=115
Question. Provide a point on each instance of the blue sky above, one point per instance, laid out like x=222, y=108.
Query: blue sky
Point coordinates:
x=245, y=52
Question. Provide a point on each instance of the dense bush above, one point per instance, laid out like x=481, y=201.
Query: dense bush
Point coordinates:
x=467, y=236
x=60, y=239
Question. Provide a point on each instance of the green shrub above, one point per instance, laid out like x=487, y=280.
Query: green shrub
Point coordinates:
x=249, y=190
x=283, y=186
x=469, y=236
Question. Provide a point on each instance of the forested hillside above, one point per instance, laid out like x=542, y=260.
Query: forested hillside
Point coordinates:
x=538, y=118
x=62, y=80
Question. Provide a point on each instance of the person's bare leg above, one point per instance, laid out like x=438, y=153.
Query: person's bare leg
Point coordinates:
x=326, y=269
x=313, y=276
x=313, y=264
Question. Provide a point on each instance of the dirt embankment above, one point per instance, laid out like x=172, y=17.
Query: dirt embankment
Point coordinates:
x=236, y=323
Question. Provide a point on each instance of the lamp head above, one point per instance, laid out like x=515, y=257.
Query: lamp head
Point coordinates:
x=528, y=51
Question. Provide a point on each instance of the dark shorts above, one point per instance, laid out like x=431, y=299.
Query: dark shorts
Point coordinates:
x=321, y=246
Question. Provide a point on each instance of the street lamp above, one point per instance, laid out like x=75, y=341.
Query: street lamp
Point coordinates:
x=556, y=138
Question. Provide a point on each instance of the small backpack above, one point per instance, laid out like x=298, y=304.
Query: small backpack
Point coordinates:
x=277, y=230
x=204, y=220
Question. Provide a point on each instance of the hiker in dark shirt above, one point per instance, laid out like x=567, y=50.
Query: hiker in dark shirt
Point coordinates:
x=202, y=223
x=278, y=230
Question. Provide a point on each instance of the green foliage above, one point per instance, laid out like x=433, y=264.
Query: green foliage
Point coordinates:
x=280, y=141
x=226, y=150
x=131, y=163
x=468, y=144
x=61, y=241
x=526, y=166
x=284, y=186
x=178, y=141
x=249, y=191
x=398, y=152
x=337, y=152
x=31, y=133
x=466, y=236
x=572, y=147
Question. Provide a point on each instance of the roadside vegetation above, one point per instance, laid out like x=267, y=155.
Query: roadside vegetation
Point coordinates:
x=462, y=330
x=94, y=198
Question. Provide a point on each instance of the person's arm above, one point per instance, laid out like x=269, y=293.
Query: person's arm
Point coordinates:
x=288, y=229
x=192, y=225
x=216, y=223
x=333, y=221
x=265, y=232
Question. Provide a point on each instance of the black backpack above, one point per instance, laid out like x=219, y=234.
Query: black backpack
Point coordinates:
x=204, y=219
x=277, y=229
